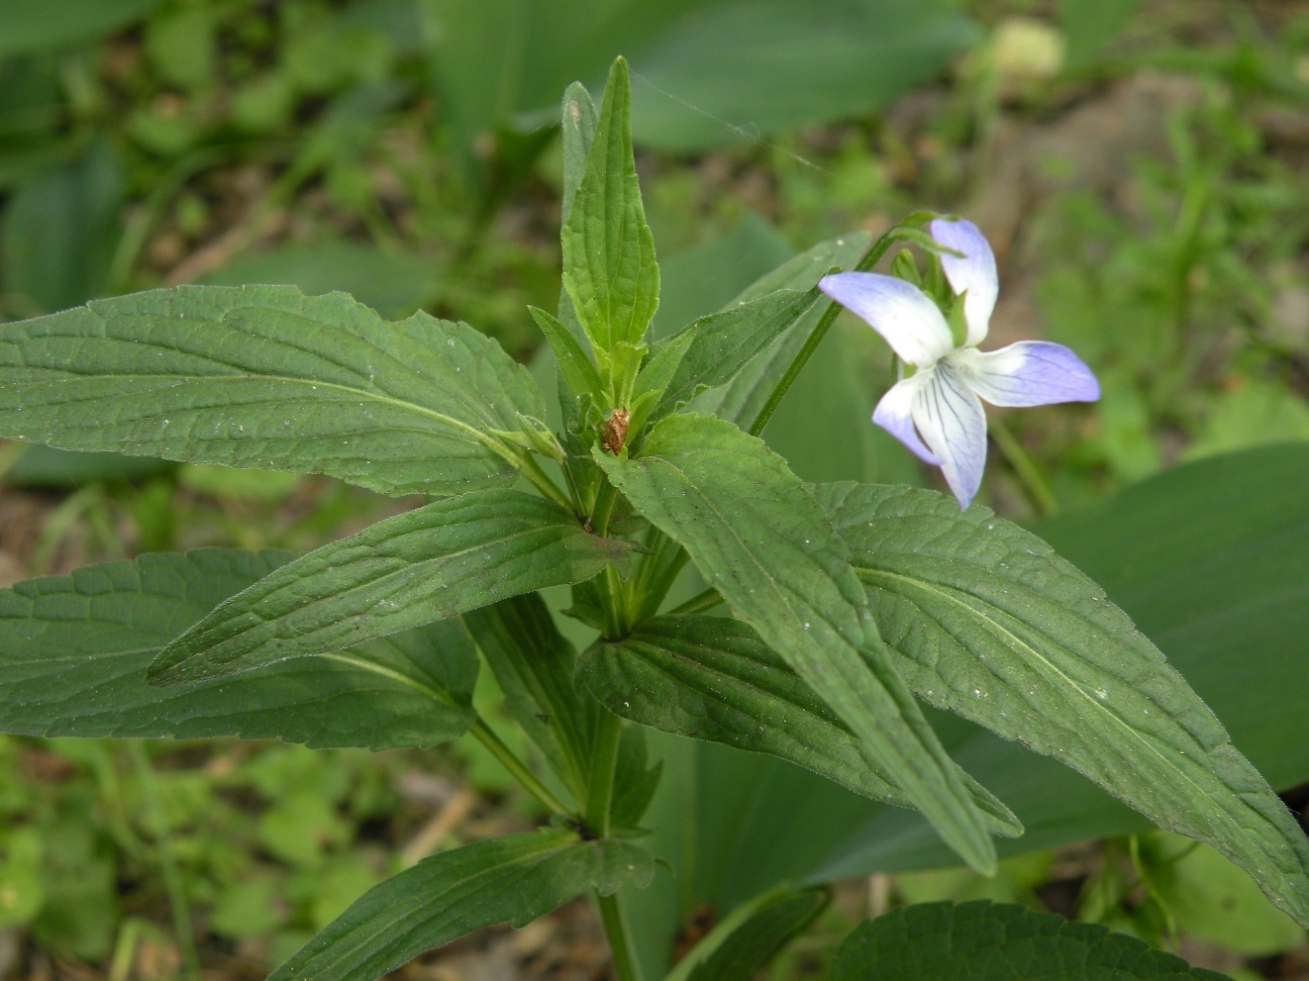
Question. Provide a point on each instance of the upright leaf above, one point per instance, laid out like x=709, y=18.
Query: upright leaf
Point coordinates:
x=575, y=365
x=724, y=343
x=514, y=878
x=987, y=621
x=74, y=651
x=533, y=664
x=713, y=678
x=757, y=536
x=983, y=941
x=428, y=564
x=744, y=395
x=577, y=131
x=263, y=376
x=743, y=942
x=609, y=261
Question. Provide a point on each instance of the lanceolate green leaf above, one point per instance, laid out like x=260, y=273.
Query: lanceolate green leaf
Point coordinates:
x=741, y=399
x=263, y=376
x=984, y=941
x=713, y=678
x=750, y=935
x=534, y=664
x=514, y=878
x=989, y=622
x=74, y=651
x=725, y=342
x=577, y=130
x=435, y=562
x=757, y=535
x=575, y=364
x=609, y=261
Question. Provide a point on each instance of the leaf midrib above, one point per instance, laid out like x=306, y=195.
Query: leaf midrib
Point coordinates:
x=1007, y=636
x=403, y=404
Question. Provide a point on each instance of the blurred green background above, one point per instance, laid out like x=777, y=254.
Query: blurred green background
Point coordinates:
x=1138, y=166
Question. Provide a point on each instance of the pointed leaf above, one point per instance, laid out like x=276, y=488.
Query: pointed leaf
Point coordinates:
x=577, y=131
x=726, y=342
x=713, y=678
x=575, y=364
x=514, y=878
x=984, y=941
x=609, y=259
x=534, y=664
x=759, y=538
x=747, y=939
x=74, y=651
x=741, y=399
x=435, y=562
x=987, y=621
x=263, y=376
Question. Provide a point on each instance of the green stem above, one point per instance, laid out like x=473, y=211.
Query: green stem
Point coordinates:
x=539, y=479
x=1038, y=489
x=870, y=259
x=612, y=915
x=483, y=733
x=173, y=884
x=605, y=498
x=600, y=785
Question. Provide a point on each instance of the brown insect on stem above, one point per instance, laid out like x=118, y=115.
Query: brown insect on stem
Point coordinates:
x=614, y=432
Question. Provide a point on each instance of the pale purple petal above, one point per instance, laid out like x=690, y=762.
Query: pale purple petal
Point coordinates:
x=974, y=273
x=953, y=426
x=902, y=313
x=1027, y=373
x=893, y=414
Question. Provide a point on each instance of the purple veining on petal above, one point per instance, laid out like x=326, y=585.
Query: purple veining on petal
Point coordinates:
x=1027, y=373
x=953, y=425
x=975, y=273
x=893, y=413
x=902, y=313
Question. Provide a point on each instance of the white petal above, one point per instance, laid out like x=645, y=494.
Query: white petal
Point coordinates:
x=1027, y=373
x=902, y=313
x=893, y=414
x=974, y=273
x=953, y=425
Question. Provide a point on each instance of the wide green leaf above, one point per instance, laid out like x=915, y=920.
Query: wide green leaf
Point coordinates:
x=757, y=536
x=74, y=651
x=744, y=941
x=725, y=342
x=263, y=376
x=395, y=284
x=988, y=622
x=434, y=562
x=789, y=63
x=534, y=665
x=984, y=941
x=28, y=26
x=713, y=678
x=609, y=260
x=514, y=878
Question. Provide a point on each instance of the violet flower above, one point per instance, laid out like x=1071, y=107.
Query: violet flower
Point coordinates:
x=937, y=411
